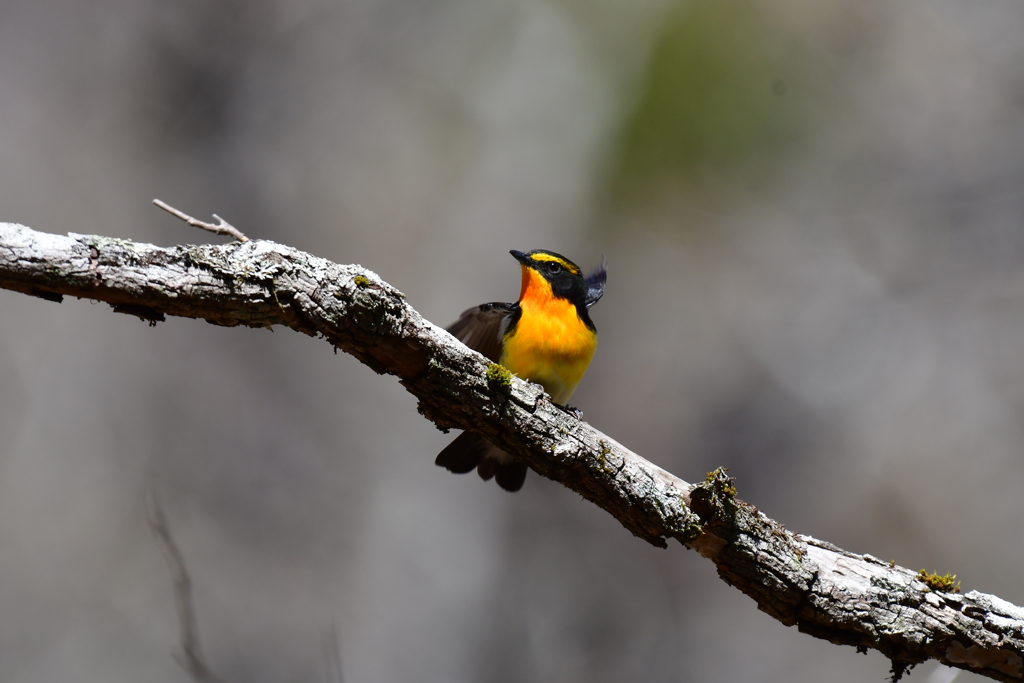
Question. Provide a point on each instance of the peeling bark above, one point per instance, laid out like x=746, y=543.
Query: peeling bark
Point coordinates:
x=825, y=591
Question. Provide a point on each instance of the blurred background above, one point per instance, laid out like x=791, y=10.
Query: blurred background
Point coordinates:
x=812, y=214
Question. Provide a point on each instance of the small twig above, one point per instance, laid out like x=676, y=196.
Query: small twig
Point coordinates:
x=943, y=674
x=222, y=227
x=332, y=654
x=192, y=661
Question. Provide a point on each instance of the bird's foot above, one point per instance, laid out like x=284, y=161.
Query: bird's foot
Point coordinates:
x=575, y=412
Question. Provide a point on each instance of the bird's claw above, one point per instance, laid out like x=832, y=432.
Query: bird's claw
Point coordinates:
x=575, y=412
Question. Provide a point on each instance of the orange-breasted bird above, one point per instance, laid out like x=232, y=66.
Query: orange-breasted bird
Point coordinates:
x=546, y=337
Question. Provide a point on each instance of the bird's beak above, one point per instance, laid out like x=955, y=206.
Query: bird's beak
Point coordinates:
x=520, y=256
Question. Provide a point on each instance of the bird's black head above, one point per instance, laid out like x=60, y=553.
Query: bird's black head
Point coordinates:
x=563, y=275
x=565, y=278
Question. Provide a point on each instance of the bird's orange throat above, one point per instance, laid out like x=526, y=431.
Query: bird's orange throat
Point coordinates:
x=535, y=287
x=550, y=344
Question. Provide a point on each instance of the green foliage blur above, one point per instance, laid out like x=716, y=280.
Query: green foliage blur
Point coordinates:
x=719, y=102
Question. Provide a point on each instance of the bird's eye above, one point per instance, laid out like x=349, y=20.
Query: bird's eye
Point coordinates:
x=553, y=267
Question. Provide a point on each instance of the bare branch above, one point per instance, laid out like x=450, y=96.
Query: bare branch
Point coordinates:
x=191, y=658
x=332, y=654
x=943, y=674
x=825, y=591
x=221, y=228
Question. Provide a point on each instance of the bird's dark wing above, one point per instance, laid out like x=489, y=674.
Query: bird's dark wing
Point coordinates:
x=481, y=328
x=595, y=283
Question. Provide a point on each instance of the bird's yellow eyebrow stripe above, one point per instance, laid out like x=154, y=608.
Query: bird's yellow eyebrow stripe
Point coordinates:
x=565, y=264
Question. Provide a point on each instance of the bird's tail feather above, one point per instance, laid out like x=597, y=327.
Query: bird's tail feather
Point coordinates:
x=470, y=451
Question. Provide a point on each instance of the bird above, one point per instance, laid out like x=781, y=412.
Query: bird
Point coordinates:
x=546, y=337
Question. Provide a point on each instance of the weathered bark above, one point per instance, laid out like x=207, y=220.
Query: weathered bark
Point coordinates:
x=825, y=591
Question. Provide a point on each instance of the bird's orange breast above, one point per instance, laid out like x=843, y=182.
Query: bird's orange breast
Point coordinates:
x=550, y=344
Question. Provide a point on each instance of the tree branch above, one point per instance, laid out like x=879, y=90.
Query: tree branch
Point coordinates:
x=222, y=227
x=825, y=591
x=192, y=657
